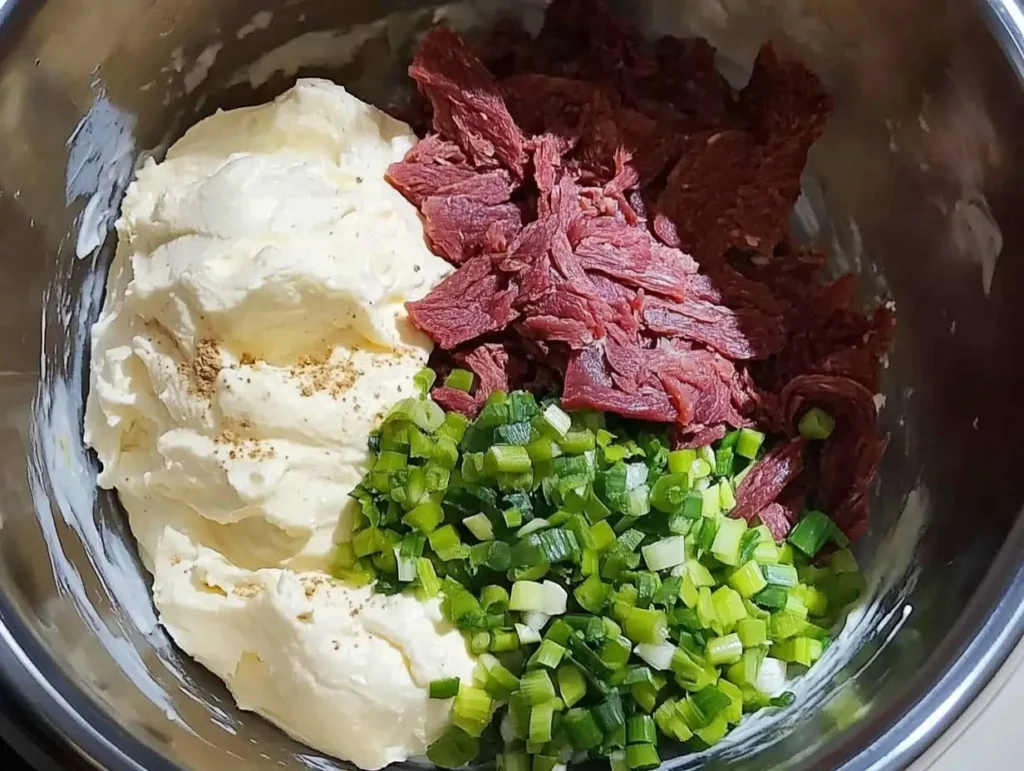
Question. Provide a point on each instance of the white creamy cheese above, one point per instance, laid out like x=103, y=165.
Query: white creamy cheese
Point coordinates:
x=253, y=331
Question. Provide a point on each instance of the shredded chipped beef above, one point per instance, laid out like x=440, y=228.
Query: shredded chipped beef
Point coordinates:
x=619, y=219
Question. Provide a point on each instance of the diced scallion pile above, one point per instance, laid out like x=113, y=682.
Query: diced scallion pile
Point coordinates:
x=613, y=603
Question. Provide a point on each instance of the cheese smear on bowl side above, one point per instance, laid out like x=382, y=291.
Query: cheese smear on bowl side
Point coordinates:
x=252, y=335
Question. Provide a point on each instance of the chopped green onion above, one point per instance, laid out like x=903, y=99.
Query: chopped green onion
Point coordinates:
x=816, y=424
x=728, y=540
x=454, y=749
x=445, y=688
x=555, y=421
x=571, y=684
x=460, y=380
x=642, y=757
x=472, y=709
x=527, y=595
x=752, y=631
x=609, y=714
x=429, y=582
x=781, y=575
x=507, y=459
x=646, y=626
x=536, y=687
x=811, y=532
x=425, y=517
x=501, y=683
x=424, y=380
x=548, y=655
x=480, y=526
x=665, y=554
x=748, y=580
x=592, y=594
x=748, y=443
x=658, y=655
x=582, y=729
x=725, y=650
x=541, y=719
x=527, y=635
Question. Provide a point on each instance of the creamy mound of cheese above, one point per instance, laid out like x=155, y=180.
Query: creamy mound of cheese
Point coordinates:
x=253, y=332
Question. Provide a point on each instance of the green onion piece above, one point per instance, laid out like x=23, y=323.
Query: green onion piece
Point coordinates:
x=541, y=719
x=512, y=761
x=582, y=729
x=725, y=650
x=543, y=449
x=536, y=687
x=424, y=380
x=592, y=594
x=527, y=595
x=429, y=582
x=724, y=459
x=445, y=688
x=480, y=526
x=781, y=575
x=494, y=599
x=641, y=729
x=729, y=607
x=370, y=541
x=680, y=461
x=480, y=642
x=472, y=709
x=513, y=518
x=501, y=683
x=609, y=714
x=460, y=380
x=644, y=625
x=507, y=459
x=816, y=424
x=555, y=422
x=774, y=597
x=454, y=749
x=665, y=554
x=527, y=635
x=693, y=505
x=503, y=640
x=548, y=655
x=748, y=580
x=542, y=762
x=671, y=722
x=785, y=624
x=700, y=469
x=748, y=443
x=571, y=684
x=669, y=492
x=515, y=433
x=614, y=652
x=590, y=563
x=658, y=655
x=714, y=731
x=453, y=427
x=726, y=496
x=425, y=517
x=811, y=532
x=798, y=650
x=728, y=540
x=642, y=757
x=444, y=540
x=752, y=631
x=578, y=442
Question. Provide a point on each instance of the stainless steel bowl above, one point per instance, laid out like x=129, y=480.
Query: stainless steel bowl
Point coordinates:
x=917, y=187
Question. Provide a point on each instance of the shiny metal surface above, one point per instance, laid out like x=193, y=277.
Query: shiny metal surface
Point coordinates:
x=917, y=186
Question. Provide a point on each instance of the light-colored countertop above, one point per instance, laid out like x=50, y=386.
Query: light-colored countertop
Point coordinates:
x=988, y=735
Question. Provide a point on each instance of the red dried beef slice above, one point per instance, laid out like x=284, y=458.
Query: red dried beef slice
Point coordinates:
x=620, y=219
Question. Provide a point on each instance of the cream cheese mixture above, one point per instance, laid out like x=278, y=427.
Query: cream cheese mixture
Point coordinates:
x=253, y=331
